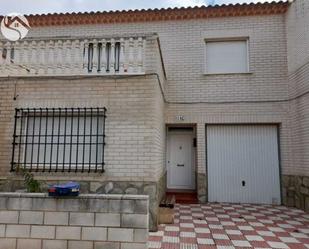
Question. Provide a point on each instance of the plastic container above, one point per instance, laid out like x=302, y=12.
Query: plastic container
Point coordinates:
x=66, y=189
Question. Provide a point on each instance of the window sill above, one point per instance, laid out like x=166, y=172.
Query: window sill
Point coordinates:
x=62, y=176
x=219, y=74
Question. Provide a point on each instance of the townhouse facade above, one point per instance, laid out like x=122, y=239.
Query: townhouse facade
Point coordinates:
x=212, y=100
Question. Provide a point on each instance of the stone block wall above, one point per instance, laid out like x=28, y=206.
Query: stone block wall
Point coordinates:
x=296, y=191
x=202, y=187
x=94, y=221
x=154, y=190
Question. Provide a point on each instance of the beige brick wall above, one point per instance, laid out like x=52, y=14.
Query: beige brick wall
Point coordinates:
x=134, y=148
x=199, y=98
x=182, y=44
x=87, y=221
x=232, y=113
x=297, y=29
x=159, y=136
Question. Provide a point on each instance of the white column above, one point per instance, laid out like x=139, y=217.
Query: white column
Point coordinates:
x=37, y=57
x=5, y=65
x=131, y=55
x=68, y=56
x=24, y=59
x=21, y=59
x=33, y=58
x=17, y=56
x=42, y=62
x=12, y=64
x=140, y=55
x=7, y=61
x=126, y=55
x=81, y=56
x=103, y=57
x=112, y=58
x=95, y=57
x=8, y=67
x=59, y=58
x=77, y=57
x=121, y=56
x=51, y=57
x=85, y=57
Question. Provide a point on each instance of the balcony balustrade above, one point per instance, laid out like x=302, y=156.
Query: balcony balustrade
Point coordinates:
x=73, y=56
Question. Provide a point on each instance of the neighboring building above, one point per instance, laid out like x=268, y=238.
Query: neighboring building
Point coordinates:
x=206, y=99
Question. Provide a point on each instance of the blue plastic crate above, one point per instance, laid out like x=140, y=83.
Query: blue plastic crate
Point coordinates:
x=66, y=189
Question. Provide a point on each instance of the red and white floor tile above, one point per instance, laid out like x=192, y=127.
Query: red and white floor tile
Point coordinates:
x=224, y=226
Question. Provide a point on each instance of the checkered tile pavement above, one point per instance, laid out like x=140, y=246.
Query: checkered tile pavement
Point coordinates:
x=201, y=226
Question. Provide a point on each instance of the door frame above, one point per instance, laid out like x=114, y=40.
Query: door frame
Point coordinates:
x=278, y=126
x=181, y=130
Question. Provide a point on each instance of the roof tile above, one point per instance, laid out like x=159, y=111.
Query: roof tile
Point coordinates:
x=149, y=15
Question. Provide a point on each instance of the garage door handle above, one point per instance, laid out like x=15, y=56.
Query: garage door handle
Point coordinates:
x=180, y=165
x=243, y=183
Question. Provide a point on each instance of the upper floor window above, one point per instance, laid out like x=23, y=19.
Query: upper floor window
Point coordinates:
x=226, y=56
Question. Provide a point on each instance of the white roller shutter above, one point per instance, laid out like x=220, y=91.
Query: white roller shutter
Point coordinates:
x=226, y=57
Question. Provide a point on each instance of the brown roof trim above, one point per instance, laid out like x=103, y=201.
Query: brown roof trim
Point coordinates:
x=158, y=14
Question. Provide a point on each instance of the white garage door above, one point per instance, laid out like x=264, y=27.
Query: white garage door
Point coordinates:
x=243, y=164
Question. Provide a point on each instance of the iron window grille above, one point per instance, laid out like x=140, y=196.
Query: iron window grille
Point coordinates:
x=59, y=139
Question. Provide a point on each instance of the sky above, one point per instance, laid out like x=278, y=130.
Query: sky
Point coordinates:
x=51, y=6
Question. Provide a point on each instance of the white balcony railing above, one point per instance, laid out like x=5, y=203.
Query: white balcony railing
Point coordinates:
x=73, y=56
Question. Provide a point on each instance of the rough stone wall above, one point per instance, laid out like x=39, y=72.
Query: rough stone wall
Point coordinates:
x=296, y=191
x=89, y=221
x=154, y=190
x=202, y=187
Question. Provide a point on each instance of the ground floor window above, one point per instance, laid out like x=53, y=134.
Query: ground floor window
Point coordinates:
x=59, y=139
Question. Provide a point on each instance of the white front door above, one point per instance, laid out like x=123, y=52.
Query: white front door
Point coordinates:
x=180, y=172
